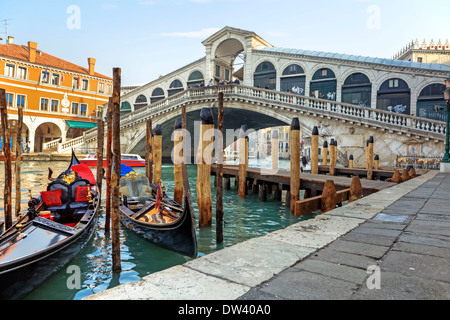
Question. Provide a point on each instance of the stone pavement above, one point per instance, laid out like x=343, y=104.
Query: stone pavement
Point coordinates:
x=401, y=235
x=409, y=241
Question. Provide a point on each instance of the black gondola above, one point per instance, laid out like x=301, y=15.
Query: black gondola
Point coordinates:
x=55, y=228
x=166, y=224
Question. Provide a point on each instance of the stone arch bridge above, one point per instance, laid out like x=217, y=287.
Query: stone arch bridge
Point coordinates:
x=350, y=125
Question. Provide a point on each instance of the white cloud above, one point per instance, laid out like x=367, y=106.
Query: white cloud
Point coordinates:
x=204, y=33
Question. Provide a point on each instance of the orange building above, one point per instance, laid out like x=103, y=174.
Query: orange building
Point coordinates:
x=60, y=100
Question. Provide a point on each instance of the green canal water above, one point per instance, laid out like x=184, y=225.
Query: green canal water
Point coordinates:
x=244, y=219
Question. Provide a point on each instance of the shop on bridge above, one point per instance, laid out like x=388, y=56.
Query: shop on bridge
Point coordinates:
x=357, y=89
x=394, y=95
x=431, y=103
x=323, y=84
x=293, y=80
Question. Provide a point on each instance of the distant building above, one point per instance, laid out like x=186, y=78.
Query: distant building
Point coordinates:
x=425, y=52
x=60, y=100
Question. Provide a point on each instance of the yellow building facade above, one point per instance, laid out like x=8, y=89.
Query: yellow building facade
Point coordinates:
x=60, y=99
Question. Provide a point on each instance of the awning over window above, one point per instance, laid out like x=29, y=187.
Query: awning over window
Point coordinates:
x=83, y=125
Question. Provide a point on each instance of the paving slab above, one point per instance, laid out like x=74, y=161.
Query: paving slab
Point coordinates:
x=365, y=249
x=395, y=286
x=422, y=249
x=430, y=227
x=251, y=262
x=344, y=258
x=296, y=284
x=177, y=283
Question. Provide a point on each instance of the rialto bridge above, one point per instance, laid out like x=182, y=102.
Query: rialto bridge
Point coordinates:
x=350, y=98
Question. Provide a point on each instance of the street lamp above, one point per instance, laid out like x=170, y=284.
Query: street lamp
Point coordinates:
x=446, y=158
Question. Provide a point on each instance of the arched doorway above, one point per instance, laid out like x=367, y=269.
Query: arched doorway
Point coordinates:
x=394, y=95
x=141, y=102
x=229, y=61
x=323, y=84
x=357, y=89
x=46, y=132
x=265, y=76
x=293, y=79
x=431, y=103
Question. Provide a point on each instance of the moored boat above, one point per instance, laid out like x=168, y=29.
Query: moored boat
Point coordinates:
x=146, y=210
x=53, y=231
x=131, y=160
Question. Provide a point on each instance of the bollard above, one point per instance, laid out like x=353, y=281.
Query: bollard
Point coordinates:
x=405, y=175
x=355, y=190
x=328, y=201
x=295, y=162
x=204, y=161
x=315, y=151
x=377, y=162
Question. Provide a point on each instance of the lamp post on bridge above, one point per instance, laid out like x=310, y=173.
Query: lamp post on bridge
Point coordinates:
x=445, y=165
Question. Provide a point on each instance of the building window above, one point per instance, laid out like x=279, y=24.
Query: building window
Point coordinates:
x=45, y=75
x=108, y=89
x=218, y=71
x=227, y=74
x=55, y=79
x=393, y=83
x=21, y=101
x=419, y=59
x=83, y=109
x=9, y=70
x=22, y=73
x=323, y=72
x=74, y=108
x=85, y=85
x=99, y=111
x=55, y=105
x=44, y=104
x=75, y=83
x=101, y=87
x=9, y=100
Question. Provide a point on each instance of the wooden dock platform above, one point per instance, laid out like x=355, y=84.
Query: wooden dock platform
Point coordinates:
x=312, y=183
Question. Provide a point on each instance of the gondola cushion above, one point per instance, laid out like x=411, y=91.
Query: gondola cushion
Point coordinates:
x=82, y=194
x=52, y=198
x=64, y=189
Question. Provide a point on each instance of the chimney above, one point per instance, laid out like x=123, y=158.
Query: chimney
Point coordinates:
x=10, y=40
x=32, y=46
x=91, y=62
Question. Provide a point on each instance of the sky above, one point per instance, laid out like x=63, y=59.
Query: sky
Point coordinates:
x=149, y=38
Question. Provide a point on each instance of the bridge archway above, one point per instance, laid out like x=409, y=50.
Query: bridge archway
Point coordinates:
x=431, y=103
x=229, y=60
x=235, y=117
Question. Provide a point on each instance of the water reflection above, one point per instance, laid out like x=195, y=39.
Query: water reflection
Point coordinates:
x=244, y=219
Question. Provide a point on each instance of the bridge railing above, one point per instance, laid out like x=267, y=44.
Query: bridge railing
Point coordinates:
x=296, y=102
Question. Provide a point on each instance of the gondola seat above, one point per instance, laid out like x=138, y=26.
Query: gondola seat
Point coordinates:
x=136, y=188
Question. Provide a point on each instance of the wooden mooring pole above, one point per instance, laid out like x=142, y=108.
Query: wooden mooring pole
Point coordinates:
x=204, y=161
x=243, y=161
x=315, y=151
x=370, y=159
x=7, y=153
x=325, y=153
x=219, y=186
x=178, y=161
x=332, y=157
x=350, y=161
x=18, y=161
x=149, y=151
x=275, y=151
x=100, y=147
x=108, y=166
x=115, y=200
x=295, y=162
x=157, y=154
